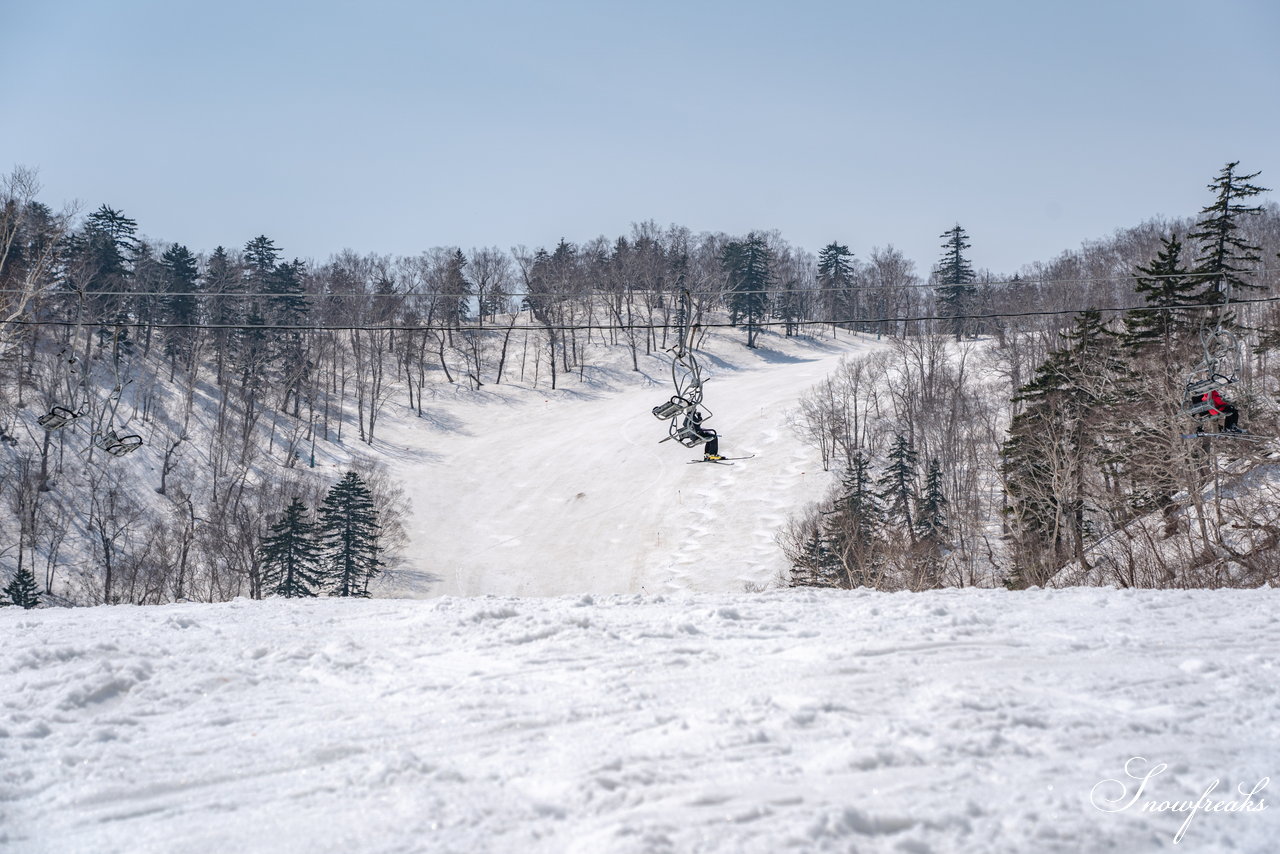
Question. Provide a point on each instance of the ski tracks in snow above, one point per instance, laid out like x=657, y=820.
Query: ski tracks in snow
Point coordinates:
x=955, y=721
x=561, y=492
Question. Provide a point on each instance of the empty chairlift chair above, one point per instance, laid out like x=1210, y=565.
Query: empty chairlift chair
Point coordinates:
x=116, y=446
x=56, y=418
x=673, y=407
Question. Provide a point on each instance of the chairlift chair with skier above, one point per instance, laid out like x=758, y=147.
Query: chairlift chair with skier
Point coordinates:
x=1203, y=400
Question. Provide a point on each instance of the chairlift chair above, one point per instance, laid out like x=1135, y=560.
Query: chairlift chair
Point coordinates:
x=691, y=437
x=674, y=407
x=56, y=418
x=124, y=445
x=116, y=446
x=1197, y=403
x=686, y=377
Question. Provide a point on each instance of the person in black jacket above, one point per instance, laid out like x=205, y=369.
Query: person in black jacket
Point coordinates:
x=693, y=421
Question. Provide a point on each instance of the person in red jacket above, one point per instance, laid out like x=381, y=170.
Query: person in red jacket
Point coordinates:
x=1218, y=406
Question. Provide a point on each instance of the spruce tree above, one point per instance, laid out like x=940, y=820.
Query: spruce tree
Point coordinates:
x=931, y=511
x=898, y=483
x=288, y=306
x=22, y=590
x=222, y=281
x=855, y=524
x=180, y=279
x=817, y=565
x=252, y=344
x=103, y=256
x=954, y=279
x=1163, y=284
x=222, y=278
x=1159, y=343
x=290, y=555
x=260, y=256
x=1056, y=443
x=1226, y=259
x=349, y=533
x=932, y=530
x=111, y=245
x=747, y=265
x=147, y=279
x=459, y=289
x=835, y=279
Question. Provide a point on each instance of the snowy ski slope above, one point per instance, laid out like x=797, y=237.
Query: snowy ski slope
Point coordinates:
x=529, y=492
x=605, y=685
x=952, y=722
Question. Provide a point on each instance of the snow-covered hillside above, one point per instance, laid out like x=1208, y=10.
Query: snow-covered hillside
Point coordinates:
x=951, y=721
x=1224, y=536
x=519, y=491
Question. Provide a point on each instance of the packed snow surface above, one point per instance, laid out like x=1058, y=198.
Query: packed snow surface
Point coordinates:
x=950, y=721
x=517, y=491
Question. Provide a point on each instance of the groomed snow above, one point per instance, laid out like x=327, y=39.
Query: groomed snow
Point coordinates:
x=532, y=492
x=951, y=721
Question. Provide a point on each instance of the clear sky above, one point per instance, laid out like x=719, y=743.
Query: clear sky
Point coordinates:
x=393, y=127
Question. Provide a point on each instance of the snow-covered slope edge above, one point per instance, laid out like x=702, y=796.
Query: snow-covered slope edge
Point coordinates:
x=1229, y=536
x=952, y=721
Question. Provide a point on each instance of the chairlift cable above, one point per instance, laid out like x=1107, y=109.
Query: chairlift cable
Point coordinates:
x=627, y=291
x=584, y=327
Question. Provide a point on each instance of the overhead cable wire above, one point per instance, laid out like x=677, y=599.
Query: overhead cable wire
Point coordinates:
x=620, y=292
x=583, y=327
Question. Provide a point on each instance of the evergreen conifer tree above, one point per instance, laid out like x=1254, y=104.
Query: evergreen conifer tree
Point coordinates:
x=223, y=284
x=748, y=267
x=22, y=590
x=103, y=256
x=854, y=526
x=835, y=279
x=147, y=279
x=931, y=525
x=290, y=555
x=252, y=342
x=180, y=279
x=1226, y=258
x=1056, y=444
x=260, y=257
x=111, y=245
x=816, y=565
x=898, y=483
x=1163, y=283
x=791, y=306
x=221, y=277
x=931, y=511
x=349, y=533
x=458, y=288
x=288, y=306
x=954, y=279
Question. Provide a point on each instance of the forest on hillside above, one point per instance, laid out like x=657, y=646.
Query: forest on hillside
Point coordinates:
x=1013, y=419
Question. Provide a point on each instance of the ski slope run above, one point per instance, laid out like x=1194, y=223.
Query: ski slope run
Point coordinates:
x=949, y=722
x=536, y=493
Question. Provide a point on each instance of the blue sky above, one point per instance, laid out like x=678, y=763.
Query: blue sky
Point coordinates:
x=393, y=127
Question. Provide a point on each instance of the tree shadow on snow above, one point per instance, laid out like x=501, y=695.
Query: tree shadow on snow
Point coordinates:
x=405, y=583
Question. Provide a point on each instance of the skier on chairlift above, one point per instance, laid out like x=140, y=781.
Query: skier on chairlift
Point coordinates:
x=693, y=423
x=1219, y=406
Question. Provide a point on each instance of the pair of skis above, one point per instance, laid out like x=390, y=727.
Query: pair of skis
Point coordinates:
x=1227, y=434
x=724, y=461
